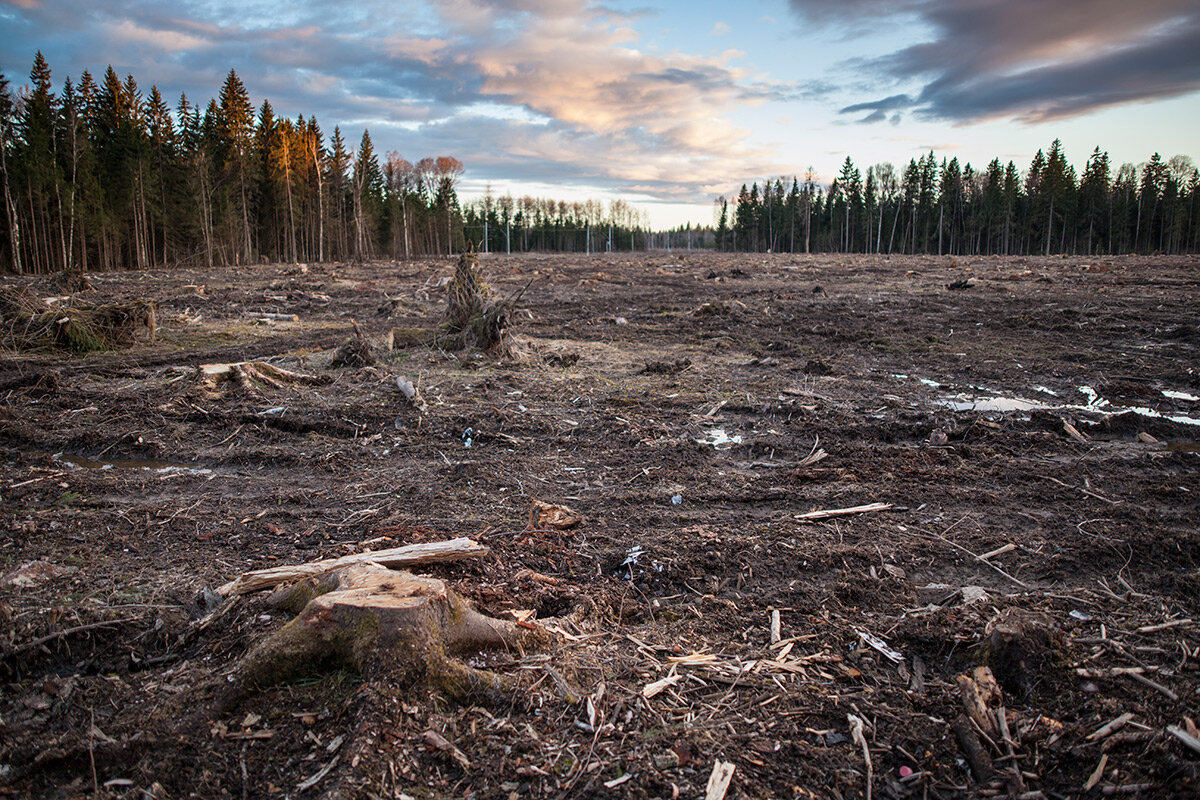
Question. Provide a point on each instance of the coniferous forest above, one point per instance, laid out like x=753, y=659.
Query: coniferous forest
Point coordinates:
x=100, y=175
x=950, y=208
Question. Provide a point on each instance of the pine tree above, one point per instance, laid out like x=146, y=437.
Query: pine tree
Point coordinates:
x=40, y=178
x=1093, y=196
x=368, y=197
x=7, y=123
x=235, y=128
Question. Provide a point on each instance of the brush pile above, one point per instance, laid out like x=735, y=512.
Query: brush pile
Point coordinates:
x=28, y=322
x=472, y=318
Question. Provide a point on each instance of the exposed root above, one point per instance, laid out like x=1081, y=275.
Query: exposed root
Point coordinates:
x=472, y=319
x=255, y=377
x=356, y=352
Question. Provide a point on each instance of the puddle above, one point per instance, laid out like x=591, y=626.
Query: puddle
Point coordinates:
x=83, y=462
x=1093, y=403
x=718, y=438
x=972, y=403
x=1183, y=447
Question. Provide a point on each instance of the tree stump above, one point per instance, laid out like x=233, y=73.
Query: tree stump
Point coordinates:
x=378, y=621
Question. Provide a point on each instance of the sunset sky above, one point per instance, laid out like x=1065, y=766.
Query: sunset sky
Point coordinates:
x=667, y=104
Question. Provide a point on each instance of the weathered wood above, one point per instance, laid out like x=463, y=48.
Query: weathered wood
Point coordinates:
x=254, y=376
x=973, y=749
x=980, y=696
x=407, y=556
x=375, y=620
x=839, y=512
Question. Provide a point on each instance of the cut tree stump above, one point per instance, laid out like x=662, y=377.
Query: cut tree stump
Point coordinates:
x=381, y=622
x=255, y=376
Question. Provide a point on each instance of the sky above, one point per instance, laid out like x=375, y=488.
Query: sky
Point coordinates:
x=664, y=103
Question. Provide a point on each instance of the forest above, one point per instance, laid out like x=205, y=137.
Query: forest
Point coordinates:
x=102, y=176
x=952, y=209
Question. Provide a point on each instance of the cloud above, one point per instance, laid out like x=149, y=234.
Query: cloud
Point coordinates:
x=719, y=29
x=551, y=90
x=879, y=108
x=1028, y=59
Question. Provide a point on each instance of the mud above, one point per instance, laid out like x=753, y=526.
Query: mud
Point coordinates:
x=678, y=402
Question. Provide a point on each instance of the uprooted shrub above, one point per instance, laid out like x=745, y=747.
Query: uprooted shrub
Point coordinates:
x=472, y=318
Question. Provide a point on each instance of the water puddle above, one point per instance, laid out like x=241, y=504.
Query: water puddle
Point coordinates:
x=1092, y=403
x=1001, y=404
x=153, y=465
x=719, y=439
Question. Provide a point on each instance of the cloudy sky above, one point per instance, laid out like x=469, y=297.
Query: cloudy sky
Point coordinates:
x=665, y=102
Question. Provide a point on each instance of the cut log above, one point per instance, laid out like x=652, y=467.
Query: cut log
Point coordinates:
x=407, y=556
x=379, y=622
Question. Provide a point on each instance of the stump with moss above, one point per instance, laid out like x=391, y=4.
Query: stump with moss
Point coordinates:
x=383, y=623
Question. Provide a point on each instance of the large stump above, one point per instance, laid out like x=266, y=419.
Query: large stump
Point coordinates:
x=378, y=621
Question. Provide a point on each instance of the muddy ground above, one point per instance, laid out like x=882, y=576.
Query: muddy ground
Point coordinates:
x=679, y=402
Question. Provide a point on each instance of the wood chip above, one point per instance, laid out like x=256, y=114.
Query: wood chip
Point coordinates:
x=719, y=780
x=615, y=782
x=1097, y=774
x=660, y=685
x=439, y=742
x=882, y=646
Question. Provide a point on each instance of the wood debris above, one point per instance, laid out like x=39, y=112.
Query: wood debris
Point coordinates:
x=396, y=557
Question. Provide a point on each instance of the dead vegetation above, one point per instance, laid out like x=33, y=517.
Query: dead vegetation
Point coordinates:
x=27, y=322
x=473, y=318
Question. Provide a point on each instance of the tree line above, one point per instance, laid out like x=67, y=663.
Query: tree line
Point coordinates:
x=103, y=176
x=948, y=208
x=507, y=225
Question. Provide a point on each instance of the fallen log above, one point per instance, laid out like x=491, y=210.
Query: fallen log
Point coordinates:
x=407, y=556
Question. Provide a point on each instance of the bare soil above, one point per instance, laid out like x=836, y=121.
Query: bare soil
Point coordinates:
x=674, y=400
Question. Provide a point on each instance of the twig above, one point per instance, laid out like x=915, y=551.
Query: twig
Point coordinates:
x=1017, y=581
x=1185, y=737
x=1109, y=728
x=70, y=632
x=1158, y=687
x=1164, y=625
x=838, y=512
x=856, y=733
